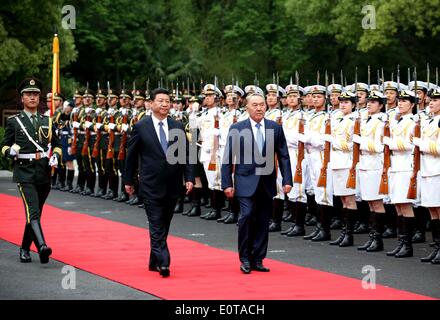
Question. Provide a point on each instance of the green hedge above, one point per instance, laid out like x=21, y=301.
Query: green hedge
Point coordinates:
x=5, y=163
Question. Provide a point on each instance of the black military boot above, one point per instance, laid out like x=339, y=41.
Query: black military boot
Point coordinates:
x=312, y=211
x=43, y=250
x=69, y=180
x=370, y=235
x=300, y=215
x=277, y=214
x=343, y=231
x=350, y=217
x=337, y=214
x=136, y=201
x=363, y=214
x=436, y=259
x=217, y=206
x=228, y=214
x=180, y=202
x=391, y=221
x=377, y=244
x=325, y=219
x=25, y=256
x=420, y=225
x=399, y=237
x=435, y=238
x=195, y=210
x=407, y=249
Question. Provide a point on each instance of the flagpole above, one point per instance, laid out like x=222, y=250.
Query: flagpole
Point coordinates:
x=55, y=72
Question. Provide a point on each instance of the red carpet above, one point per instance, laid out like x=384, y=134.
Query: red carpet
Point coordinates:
x=119, y=252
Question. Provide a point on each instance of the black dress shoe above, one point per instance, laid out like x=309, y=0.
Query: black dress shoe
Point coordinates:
x=233, y=218
x=195, y=211
x=362, y=228
x=323, y=235
x=287, y=230
x=25, y=256
x=215, y=214
x=419, y=237
x=141, y=206
x=296, y=231
x=389, y=233
x=44, y=253
x=312, y=235
x=336, y=224
x=274, y=227
x=312, y=221
x=222, y=219
x=245, y=267
x=259, y=267
x=164, y=271
x=135, y=201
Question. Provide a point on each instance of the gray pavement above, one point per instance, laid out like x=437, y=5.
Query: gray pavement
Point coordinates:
x=406, y=274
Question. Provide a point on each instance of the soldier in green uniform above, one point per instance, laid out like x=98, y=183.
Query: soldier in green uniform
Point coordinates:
x=78, y=140
x=59, y=175
x=29, y=136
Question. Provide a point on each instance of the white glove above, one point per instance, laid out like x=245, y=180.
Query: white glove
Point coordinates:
x=74, y=110
x=88, y=110
x=53, y=161
x=98, y=125
x=417, y=141
x=172, y=111
x=328, y=138
x=69, y=150
x=15, y=150
x=216, y=132
x=135, y=112
x=386, y=141
x=75, y=124
x=88, y=124
x=124, y=127
x=303, y=138
x=98, y=110
x=124, y=112
x=112, y=126
x=357, y=139
x=110, y=111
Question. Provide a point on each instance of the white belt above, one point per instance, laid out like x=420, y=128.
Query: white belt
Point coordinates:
x=38, y=155
x=65, y=133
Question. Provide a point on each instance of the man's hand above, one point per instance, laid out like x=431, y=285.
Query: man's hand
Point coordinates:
x=129, y=189
x=189, y=186
x=229, y=192
x=287, y=188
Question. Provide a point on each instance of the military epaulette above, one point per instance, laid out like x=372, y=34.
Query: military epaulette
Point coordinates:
x=15, y=115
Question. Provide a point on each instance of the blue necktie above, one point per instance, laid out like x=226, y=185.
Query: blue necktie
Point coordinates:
x=260, y=139
x=163, y=138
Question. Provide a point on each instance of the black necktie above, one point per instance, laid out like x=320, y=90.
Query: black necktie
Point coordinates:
x=34, y=121
x=369, y=118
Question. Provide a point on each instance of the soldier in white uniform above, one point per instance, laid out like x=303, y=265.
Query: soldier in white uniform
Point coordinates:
x=297, y=196
x=421, y=213
x=341, y=160
x=233, y=97
x=391, y=90
x=312, y=211
x=210, y=155
x=370, y=168
x=274, y=112
x=400, y=172
x=429, y=145
x=362, y=90
x=314, y=145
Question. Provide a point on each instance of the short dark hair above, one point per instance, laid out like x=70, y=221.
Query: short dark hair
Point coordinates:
x=159, y=91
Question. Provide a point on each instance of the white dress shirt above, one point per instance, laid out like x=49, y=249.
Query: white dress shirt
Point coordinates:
x=254, y=129
x=157, y=126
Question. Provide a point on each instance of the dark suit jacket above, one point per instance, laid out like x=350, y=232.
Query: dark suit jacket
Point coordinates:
x=157, y=177
x=246, y=180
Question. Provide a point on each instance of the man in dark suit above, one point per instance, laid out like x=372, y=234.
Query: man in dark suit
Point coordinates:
x=161, y=172
x=250, y=155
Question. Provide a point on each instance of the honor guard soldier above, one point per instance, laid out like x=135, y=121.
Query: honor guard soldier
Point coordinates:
x=400, y=171
x=138, y=113
x=421, y=213
x=233, y=96
x=120, y=147
x=99, y=147
x=371, y=164
x=58, y=175
x=87, y=126
x=429, y=145
x=208, y=123
x=63, y=121
x=362, y=91
x=293, y=119
x=275, y=113
x=30, y=140
x=109, y=136
x=315, y=148
x=78, y=140
x=341, y=162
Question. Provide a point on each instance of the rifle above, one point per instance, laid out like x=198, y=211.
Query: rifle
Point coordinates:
x=322, y=180
x=95, y=152
x=212, y=164
x=85, y=148
x=298, y=178
x=351, y=181
x=111, y=139
x=123, y=144
x=412, y=189
x=383, y=187
x=74, y=147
